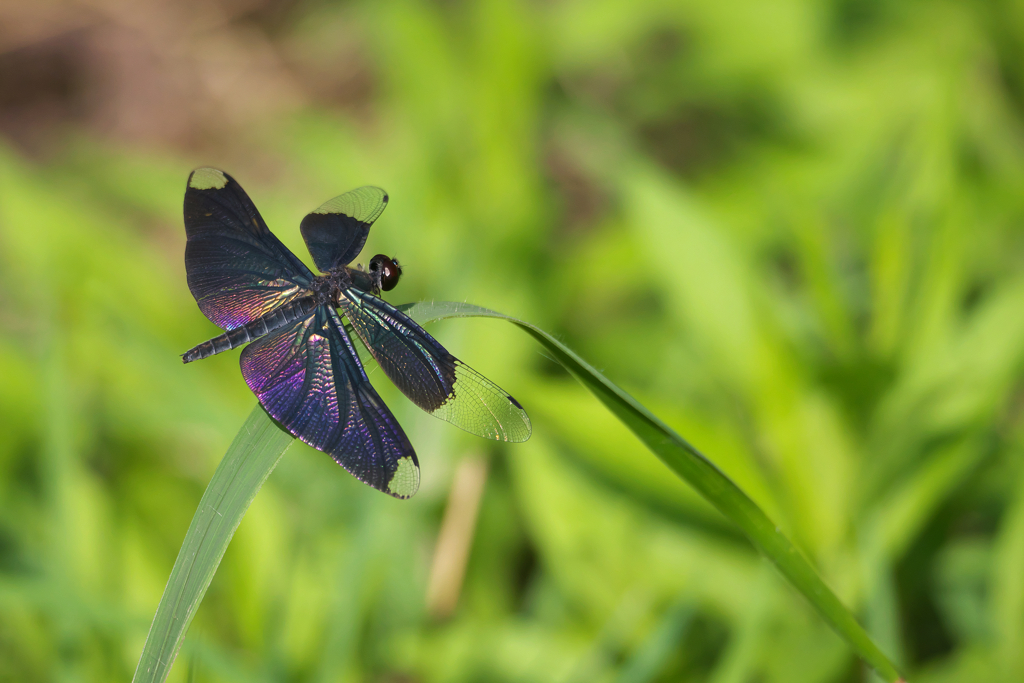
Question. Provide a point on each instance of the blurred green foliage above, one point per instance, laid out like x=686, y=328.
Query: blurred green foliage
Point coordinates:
x=792, y=229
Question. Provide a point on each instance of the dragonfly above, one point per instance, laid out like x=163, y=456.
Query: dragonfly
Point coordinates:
x=299, y=358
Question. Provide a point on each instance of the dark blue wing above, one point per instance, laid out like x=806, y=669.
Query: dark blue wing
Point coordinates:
x=432, y=378
x=308, y=377
x=336, y=232
x=237, y=269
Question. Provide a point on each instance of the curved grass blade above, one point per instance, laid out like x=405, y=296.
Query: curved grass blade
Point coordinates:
x=261, y=443
x=699, y=472
x=250, y=459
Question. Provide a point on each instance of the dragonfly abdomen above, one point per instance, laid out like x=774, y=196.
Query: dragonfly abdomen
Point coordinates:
x=251, y=331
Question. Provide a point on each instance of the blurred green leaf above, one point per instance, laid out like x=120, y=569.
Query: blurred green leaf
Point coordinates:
x=646, y=663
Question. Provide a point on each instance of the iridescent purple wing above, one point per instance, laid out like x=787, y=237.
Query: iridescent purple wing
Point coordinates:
x=308, y=377
x=237, y=269
x=336, y=232
x=432, y=378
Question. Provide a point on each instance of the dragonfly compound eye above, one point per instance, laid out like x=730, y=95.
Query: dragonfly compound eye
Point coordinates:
x=389, y=271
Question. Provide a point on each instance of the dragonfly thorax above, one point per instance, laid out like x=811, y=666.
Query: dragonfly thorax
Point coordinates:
x=327, y=288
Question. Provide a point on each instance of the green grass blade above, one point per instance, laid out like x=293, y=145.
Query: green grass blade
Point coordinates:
x=699, y=472
x=251, y=458
x=261, y=443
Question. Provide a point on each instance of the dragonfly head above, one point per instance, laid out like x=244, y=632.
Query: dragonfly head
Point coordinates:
x=385, y=272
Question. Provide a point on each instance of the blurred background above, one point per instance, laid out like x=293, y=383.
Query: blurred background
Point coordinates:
x=794, y=230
